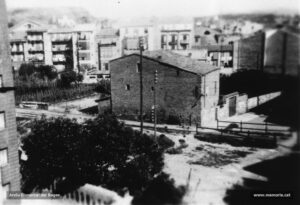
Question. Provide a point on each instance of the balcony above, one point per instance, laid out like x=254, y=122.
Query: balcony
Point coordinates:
x=36, y=57
x=61, y=48
x=35, y=38
x=59, y=59
x=18, y=51
x=173, y=42
x=66, y=38
x=184, y=41
x=35, y=50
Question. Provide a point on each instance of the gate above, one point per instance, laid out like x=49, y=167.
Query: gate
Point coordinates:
x=232, y=106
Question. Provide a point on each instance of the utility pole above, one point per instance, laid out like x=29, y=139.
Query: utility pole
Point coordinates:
x=154, y=99
x=99, y=55
x=77, y=52
x=141, y=81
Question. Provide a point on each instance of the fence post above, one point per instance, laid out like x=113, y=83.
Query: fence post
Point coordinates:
x=241, y=126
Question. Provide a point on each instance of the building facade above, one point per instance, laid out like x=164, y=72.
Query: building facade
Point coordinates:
x=175, y=36
x=130, y=37
x=187, y=89
x=108, y=47
x=9, y=159
x=281, y=54
x=249, y=52
x=66, y=49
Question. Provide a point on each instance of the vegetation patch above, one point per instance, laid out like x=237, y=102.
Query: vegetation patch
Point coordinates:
x=217, y=159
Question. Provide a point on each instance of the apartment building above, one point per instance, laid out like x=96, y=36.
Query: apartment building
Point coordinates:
x=9, y=159
x=28, y=41
x=85, y=47
x=130, y=36
x=175, y=36
x=108, y=47
x=62, y=44
x=65, y=48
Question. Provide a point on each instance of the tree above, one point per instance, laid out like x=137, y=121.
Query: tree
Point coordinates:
x=47, y=71
x=26, y=70
x=103, y=87
x=101, y=151
x=67, y=78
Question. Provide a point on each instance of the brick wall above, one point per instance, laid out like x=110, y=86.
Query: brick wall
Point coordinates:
x=8, y=137
x=177, y=95
x=248, y=52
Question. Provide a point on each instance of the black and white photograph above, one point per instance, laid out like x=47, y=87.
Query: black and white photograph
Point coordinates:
x=149, y=102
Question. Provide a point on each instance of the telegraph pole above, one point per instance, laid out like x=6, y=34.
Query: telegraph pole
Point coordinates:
x=154, y=99
x=141, y=81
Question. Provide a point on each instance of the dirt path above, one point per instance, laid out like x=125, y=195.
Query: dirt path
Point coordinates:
x=214, y=168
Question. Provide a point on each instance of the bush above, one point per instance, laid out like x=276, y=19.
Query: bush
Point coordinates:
x=164, y=142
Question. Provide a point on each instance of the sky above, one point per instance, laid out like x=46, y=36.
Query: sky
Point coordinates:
x=163, y=8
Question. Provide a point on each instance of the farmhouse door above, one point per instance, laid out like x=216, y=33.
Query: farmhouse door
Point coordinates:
x=232, y=106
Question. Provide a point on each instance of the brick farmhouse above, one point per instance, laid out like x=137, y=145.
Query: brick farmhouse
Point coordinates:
x=186, y=89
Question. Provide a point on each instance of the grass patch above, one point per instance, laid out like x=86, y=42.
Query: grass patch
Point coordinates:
x=216, y=159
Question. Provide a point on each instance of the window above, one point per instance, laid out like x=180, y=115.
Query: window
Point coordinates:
x=1, y=81
x=206, y=32
x=3, y=157
x=127, y=87
x=196, y=92
x=2, y=120
x=152, y=88
x=106, y=66
x=177, y=72
x=138, y=67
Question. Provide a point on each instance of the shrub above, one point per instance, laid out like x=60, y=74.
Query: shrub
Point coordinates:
x=173, y=120
x=165, y=142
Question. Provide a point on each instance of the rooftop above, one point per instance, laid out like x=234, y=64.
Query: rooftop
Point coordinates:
x=178, y=61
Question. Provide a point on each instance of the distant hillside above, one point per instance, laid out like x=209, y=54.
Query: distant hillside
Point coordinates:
x=49, y=15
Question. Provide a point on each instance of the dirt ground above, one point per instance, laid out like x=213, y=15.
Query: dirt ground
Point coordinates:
x=213, y=168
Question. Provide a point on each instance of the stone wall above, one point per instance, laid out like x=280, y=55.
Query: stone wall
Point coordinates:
x=243, y=103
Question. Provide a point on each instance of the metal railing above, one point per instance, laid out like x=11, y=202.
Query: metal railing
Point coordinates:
x=241, y=126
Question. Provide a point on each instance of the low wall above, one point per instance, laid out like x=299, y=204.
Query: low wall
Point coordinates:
x=243, y=103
